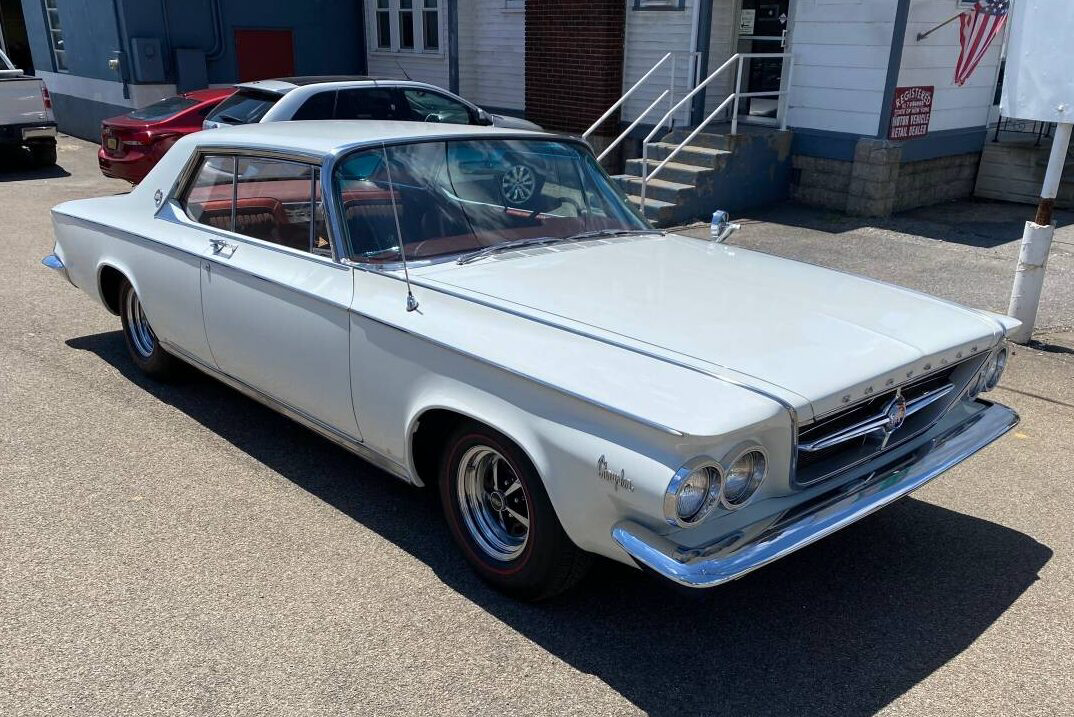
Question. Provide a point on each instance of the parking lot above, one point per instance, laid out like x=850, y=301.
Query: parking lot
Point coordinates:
x=181, y=550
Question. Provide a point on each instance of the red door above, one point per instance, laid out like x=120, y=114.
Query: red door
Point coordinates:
x=263, y=54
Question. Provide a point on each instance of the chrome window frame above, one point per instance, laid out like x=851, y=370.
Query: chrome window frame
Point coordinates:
x=187, y=175
x=341, y=153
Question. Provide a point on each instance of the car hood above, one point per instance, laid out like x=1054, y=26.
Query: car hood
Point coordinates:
x=820, y=335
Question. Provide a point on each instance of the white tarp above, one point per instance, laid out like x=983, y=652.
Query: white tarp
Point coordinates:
x=1039, y=81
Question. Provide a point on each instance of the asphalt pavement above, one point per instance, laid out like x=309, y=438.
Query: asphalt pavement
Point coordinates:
x=181, y=550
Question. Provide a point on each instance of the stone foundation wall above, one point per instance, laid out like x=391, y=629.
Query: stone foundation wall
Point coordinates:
x=878, y=183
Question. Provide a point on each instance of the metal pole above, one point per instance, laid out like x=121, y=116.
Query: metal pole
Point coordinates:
x=1037, y=243
x=738, y=88
x=644, y=173
x=785, y=99
x=671, y=97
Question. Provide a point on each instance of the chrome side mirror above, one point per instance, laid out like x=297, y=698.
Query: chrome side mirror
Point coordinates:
x=722, y=226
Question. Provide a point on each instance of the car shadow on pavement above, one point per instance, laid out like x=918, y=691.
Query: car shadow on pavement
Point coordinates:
x=842, y=627
x=17, y=166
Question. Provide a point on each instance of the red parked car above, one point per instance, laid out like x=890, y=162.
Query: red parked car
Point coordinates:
x=133, y=143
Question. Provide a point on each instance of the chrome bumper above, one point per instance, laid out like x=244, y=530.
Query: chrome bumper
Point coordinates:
x=38, y=132
x=749, y=548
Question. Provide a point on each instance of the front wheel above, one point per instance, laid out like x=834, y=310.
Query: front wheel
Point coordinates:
x=142, y=343
x=501, y=517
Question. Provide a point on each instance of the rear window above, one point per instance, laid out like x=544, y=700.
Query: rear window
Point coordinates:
x=244, y=107
x=163, y=109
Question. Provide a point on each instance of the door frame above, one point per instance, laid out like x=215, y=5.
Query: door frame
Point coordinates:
x=785, y=74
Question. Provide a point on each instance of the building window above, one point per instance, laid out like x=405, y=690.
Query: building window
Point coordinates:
x=659, y=4
x=55, y=31
x=430, y=22
x=407, y=25
x=384, y=25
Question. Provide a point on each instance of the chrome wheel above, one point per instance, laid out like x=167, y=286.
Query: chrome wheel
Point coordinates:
x=518, y=184
x=493, y=503
x=141, y=334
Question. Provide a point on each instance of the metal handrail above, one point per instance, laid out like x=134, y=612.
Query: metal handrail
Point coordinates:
x=634, y=124
x=625, y=97
x=783, y=94
x=695, y=76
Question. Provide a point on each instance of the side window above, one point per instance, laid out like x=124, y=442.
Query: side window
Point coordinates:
x=321, y=106
x=210, y=198
x=428, y=106
x=279, y=201
x=368, y=103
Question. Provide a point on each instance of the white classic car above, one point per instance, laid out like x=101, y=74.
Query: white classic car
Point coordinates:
x=480, y=310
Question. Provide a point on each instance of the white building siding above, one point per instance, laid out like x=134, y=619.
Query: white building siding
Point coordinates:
x=932, y=62
x=649, y=36
x=431, y=67
x=492, y=53
x=841, y=50
x=721, y=47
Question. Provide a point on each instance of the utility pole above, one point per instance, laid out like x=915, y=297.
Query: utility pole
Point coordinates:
x=1038, y=85
x=1037, y=243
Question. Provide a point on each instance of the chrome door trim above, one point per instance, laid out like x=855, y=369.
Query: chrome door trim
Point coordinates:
x=351, y=443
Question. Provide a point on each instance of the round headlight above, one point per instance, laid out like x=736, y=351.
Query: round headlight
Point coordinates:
x=745, y=474
x=692, y=493
x=996, y=365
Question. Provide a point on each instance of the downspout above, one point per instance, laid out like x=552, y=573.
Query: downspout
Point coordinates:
x=121, y=40
x=216, y=50
x=453, y=45
x=702, y=39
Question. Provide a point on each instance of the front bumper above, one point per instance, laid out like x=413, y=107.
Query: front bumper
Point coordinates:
x=749, y=548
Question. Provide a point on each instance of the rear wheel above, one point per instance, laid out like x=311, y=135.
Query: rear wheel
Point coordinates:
x=142, y=343
x=43, y=153
x=501, y=517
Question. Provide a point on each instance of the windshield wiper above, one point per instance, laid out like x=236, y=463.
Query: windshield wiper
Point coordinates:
x=544, y=241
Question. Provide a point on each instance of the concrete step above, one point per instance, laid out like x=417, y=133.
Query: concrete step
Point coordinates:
x=704, y=139
x=672, y=171
x=661, y=189
x=662, y=214
x=698, y=156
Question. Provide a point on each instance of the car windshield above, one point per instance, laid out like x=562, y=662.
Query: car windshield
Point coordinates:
x=461, y=196
x=243, y=107
x=163, y=109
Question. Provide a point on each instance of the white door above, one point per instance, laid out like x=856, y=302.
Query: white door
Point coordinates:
x=275, y=303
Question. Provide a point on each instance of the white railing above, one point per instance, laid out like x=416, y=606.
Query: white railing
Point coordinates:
x=693, y=77
x=734, y=97
x=673, y=107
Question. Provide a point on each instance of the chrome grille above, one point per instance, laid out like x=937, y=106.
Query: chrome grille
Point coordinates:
x=839, y=441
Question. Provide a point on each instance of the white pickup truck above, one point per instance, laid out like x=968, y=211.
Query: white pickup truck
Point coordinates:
x=26, y=114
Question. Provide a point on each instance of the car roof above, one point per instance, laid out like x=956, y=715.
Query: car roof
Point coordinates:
x=323, y=137
x=283, y=85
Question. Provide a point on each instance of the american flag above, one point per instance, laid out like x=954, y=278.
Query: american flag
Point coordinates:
x=976, y=33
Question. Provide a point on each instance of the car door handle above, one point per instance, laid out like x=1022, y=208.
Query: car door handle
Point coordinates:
x=222, y=248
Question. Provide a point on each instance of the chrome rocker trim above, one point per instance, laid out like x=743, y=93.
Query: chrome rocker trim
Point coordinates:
x=721, y=561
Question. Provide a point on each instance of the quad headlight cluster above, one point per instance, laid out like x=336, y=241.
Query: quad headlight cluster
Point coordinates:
x=703, y=483
x=988, y=377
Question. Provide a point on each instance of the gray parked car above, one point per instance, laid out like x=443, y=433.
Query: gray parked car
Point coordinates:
x=351, y=98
